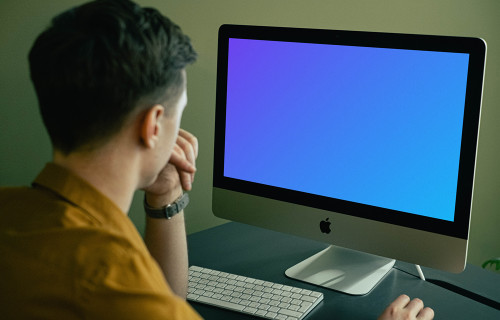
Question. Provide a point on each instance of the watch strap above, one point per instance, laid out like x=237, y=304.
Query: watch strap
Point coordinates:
x=168, y=211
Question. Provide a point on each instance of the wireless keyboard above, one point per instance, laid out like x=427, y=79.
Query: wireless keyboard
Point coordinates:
x=260, y=298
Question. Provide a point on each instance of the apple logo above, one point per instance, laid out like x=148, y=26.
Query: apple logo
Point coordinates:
x=324, y=226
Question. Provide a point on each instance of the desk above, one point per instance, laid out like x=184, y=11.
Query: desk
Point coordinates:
x=264, y=254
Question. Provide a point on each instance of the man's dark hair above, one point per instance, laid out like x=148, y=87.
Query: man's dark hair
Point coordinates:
x=97, y=62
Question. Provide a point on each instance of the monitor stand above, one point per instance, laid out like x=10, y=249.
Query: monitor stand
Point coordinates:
x=342, y=269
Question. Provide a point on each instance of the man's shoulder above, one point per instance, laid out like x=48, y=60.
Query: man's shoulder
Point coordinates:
x=29, y=209
x=15, y=195
x=7, y=191
x=14, y=201
x=104, y=256
x=102, y=272
x=121, y=274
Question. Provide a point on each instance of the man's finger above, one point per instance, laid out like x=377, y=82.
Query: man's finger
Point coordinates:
x=415, y=306
x=191, y=139
x=188, y=149
x=186, y=180
x=179, y=160
x=401, y=301
x=426, y=313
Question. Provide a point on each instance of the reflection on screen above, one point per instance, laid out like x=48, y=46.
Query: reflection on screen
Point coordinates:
x=375, y=126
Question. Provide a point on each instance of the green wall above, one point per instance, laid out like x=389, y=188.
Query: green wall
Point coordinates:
x=24, y=145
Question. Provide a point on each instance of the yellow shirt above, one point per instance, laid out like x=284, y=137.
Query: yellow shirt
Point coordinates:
x=68, y=252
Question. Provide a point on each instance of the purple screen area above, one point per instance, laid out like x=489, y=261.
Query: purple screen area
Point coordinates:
x=369, y=125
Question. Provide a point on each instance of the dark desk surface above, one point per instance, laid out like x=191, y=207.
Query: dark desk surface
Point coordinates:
x=264, y=254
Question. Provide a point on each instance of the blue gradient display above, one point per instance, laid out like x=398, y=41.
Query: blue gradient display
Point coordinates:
x=369, y=125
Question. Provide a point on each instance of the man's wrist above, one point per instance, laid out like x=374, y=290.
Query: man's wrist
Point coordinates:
x=167, y=211
x=158, y=201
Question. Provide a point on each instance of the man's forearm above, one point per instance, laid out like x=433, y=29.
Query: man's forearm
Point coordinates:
x=166, y=241
x=166, y=238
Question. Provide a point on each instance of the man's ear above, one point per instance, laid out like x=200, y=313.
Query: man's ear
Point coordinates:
x=151, y=125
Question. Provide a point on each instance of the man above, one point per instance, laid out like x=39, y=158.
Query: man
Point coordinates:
x=111, y=86
x=111, y=83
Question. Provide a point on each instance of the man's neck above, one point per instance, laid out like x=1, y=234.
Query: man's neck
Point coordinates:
x=109, y=170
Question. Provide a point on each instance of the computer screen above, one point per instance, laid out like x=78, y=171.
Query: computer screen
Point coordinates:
x=351, y=138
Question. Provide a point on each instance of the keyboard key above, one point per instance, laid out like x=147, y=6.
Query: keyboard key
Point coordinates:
x=250, y=310
x=290, y=313
x=260, y=312
x=274, y=309
x=221, y=303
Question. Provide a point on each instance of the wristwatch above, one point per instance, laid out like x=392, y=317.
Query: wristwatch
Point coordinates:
x=168, y=211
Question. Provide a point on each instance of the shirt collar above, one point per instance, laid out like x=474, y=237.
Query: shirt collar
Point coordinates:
x=77, y=191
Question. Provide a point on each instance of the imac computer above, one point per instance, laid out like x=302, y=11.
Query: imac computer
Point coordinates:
x=363, y=140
